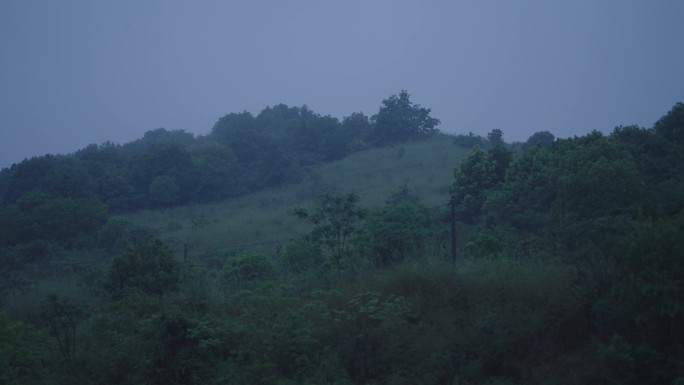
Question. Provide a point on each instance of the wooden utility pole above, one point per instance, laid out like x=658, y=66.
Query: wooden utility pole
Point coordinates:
x=452, y=204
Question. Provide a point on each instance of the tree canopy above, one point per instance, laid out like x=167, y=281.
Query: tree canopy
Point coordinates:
x=399, y=120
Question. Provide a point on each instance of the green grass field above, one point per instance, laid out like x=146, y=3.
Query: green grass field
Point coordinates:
x=264, y=221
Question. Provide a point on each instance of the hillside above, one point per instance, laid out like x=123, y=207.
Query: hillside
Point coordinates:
x=569, y=267
x=264, y=220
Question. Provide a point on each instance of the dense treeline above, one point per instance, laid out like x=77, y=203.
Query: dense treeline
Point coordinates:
x=243, y=153
x=612, y=208
x=570, y=272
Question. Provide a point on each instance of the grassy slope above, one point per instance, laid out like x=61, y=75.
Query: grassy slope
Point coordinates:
x=263, y=221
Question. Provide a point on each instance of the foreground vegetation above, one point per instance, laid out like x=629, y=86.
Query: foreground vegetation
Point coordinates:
x=569, y=271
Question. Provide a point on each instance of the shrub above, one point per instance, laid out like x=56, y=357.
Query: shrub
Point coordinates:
x=246, y=270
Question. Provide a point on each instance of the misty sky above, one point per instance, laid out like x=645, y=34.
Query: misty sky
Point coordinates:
x=79, y=72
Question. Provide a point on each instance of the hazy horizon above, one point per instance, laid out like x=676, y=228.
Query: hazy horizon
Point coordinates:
x=88, y=72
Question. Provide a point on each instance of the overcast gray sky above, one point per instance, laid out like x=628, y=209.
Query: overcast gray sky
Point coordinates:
x=79, y=72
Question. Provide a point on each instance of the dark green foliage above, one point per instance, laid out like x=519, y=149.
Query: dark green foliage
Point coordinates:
x=336, y=221
x=396, y=231
x=260, y=161
x=671, y=126
x=119, y=233
x=114, y=186
x=501, y=156
x=175, y=358
x=160, y=168
x=399, y=120
x=525, y=198
x=473, y=177
x=163, y=191
x=226, y=126
x=368, y=329
x=20, y=354
x=495, y=137
x=37, y=227
x=217, y=171
x=584, y=170
x=26, y=176
x=318, y=139
x=302, y=255
x=542, y=139
x=644, y=307
x=68, y=180
x=149, y=267
x=610, y=207
x=127, y=346
x=626, y=363
x=484, y=246
x=245, y=270
x=356, y=128
x=661, y=164
x=61, y=317
x=569, y=267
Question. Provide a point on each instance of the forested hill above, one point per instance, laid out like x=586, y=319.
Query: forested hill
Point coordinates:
x=570, y=266
x=242, y=154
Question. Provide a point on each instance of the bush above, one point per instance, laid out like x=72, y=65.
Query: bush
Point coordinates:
x=302, y=255
x=246, y=270
x=396, y=231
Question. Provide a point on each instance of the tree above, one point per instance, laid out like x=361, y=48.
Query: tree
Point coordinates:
x=643, y=310
x=336, y=220
x=660, y=162
x=280, y=121
x=317, y=138
x=357, y=127
x=600, y=195
x=542, y=138
x=162, y=136
x=149, y=267
x=524, y=200
x=113, y=186
x=501, y=157
x=119, y=233
x=301, y=255
x=20, y=357
x=218, y=172
x=528, y=192
x=66, y=221
x=596, y=177
x=671, y=126
x=369, y=330
x=399, y=120
x=169, y=159
x=396, y=231
x=260, y=160
x=229, y=124
x=61, y=318
x=246, y=269
x=68, y=179
x=495, y=137
x=26, y=176
x=163, y=191
x=473, y=177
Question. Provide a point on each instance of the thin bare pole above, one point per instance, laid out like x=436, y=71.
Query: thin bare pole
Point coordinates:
x=452, y=203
